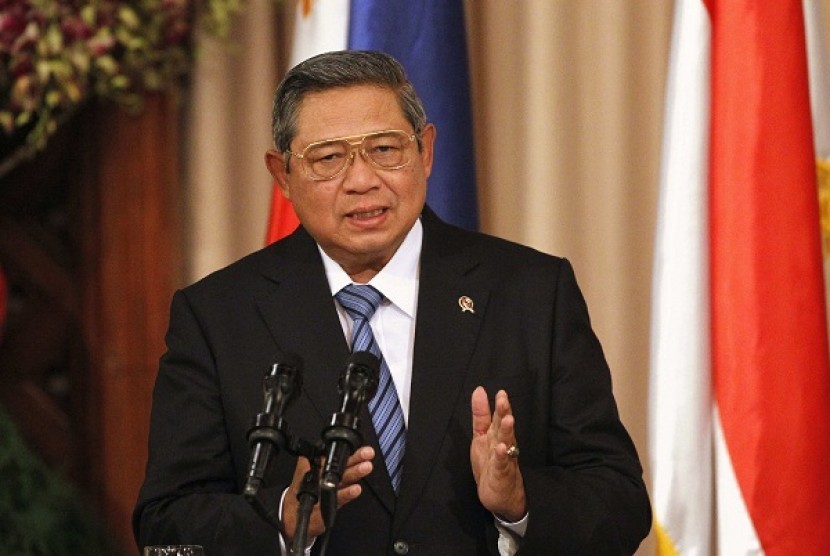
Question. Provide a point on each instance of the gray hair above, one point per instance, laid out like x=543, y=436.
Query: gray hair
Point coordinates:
x=341, y=69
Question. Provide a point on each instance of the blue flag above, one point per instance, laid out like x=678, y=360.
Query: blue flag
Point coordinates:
x=428, y=38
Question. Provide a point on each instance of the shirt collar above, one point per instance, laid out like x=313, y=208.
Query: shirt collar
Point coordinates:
x=397, y=281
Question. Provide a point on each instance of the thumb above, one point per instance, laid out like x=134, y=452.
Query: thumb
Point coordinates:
x=481, y=411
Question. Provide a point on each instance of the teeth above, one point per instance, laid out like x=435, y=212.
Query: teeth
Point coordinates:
x=369, y=214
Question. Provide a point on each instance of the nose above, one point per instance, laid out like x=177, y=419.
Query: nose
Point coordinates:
x=360, y=175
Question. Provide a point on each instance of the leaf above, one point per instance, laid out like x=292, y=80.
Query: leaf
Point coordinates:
x=7, y=121
x=53, y=98
x=54, y=38
x=107, y=64
x=88, y=14
x=120, y=82
x=128, y=16
x=23, y=118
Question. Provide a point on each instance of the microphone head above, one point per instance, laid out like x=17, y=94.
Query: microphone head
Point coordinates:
x=365, y=359
x=287, y=364
x=283, y=382
x=288, y=359
x=362, y=373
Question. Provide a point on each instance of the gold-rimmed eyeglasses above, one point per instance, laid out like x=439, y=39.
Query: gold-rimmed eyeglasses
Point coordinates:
x=327, y=159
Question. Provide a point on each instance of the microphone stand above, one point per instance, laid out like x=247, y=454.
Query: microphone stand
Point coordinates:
x=275, y=430
x=341, y=438
x=309, y=492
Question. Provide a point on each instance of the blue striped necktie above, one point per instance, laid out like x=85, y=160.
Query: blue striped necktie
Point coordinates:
x=361, y=302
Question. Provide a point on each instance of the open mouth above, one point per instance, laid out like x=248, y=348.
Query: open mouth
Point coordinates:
x=367, y=214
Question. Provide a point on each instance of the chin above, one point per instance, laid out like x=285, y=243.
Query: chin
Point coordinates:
x=380, y=244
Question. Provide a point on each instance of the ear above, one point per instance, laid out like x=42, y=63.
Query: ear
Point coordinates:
x=427, y=144
x=275, y=162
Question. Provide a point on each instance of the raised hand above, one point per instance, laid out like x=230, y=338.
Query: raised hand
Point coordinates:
x=496, y=472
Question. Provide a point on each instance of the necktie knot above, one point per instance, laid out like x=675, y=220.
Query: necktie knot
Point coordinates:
x=359, y=301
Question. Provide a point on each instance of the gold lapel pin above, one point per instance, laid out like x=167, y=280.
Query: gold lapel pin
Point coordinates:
x=466, y=304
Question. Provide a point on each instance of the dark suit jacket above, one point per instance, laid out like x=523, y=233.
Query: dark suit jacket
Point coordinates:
x=529, y=334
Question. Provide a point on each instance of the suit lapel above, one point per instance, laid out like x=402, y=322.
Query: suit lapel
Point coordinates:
x=445, y=339
x=300, y=315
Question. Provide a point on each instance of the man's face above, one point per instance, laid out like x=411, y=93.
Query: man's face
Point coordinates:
x=362, y=216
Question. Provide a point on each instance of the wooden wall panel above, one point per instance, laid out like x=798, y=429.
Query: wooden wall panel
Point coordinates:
x=130, y=255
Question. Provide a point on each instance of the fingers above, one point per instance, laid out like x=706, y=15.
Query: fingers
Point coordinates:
x=500, y=424
x=358, y=466
x=502, y=403
x=501, y=431
x=347, y=494
x=498, y=477
x=504, y=418
x=506, y=432
x=364, y=453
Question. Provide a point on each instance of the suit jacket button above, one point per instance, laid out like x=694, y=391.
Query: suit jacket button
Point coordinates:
x=400, y=547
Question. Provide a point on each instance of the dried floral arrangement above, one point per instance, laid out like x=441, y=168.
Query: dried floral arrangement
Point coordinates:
x=54, y=54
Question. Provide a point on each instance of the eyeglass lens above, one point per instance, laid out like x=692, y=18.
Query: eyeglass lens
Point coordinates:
x=385, y=150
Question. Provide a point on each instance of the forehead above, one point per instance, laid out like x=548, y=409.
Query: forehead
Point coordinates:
x=348, y=111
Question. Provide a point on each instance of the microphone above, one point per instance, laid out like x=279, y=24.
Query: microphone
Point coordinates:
x=268, y=435
x=342, y=437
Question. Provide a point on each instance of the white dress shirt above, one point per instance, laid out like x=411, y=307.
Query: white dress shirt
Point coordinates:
x=393, y=324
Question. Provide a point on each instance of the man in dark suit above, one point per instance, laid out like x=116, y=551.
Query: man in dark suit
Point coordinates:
x=512, y=441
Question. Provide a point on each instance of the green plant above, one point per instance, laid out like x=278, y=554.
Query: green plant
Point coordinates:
x=41, y=514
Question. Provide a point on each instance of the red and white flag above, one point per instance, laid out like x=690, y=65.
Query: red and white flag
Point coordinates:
x=319, y=26
x=739, y=436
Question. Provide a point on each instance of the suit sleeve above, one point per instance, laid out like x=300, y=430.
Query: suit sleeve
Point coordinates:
x=588, y=495
x=190, y=494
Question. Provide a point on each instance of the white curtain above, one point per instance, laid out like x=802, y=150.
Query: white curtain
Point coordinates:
x=227, y=119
